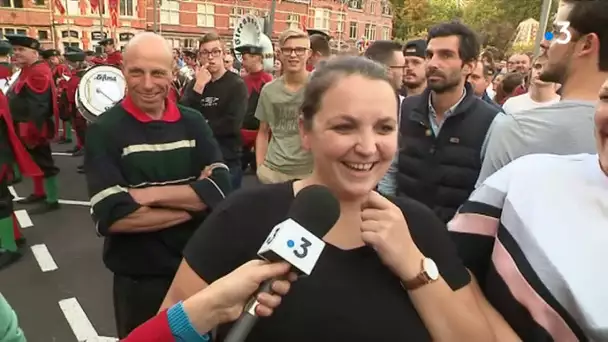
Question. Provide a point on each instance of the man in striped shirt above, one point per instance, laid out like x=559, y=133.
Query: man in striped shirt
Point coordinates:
x=154, y=171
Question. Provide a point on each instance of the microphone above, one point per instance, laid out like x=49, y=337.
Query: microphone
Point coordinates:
x=297, y=240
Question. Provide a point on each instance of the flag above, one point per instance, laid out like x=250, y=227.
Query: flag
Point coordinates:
x=94, y=5
x=113, y=5
x=59, y=6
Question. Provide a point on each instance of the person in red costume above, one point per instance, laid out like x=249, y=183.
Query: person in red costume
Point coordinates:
x=113, y=55
x=6, y=69
x=11, y=152
x=33, y=103
x=256, y=78
x=75, y=58
x=60, y=73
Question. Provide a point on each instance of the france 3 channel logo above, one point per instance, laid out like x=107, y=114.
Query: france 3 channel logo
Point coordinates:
x=561, y=34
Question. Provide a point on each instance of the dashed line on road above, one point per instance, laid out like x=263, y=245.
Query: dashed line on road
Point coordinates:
x=44, y=258
x=23, y=218
x=61, y=154
x=78, y=320
x=69, y=202
x=11, y=189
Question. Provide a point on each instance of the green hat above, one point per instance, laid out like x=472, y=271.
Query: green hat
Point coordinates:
x=46, y=54
x=23, y=40
x=5, y=48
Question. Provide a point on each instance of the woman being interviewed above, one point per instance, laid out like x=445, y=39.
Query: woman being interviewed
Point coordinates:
x=377, y=278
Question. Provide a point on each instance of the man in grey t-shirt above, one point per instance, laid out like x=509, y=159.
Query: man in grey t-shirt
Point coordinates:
x=567, y=126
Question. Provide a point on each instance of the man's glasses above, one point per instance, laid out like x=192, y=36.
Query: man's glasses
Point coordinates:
x=299, y=51
x=212, y=53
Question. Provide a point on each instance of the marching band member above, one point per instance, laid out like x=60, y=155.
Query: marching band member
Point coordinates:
x=113, y=55
x=33, y=104
x=76, y=61
x=154, y=171
x=60, y=72
x=221, y=97
x=6, y=69
x=255, y=79
x=12, y=153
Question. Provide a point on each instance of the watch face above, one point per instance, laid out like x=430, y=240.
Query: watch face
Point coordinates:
x=431, y=269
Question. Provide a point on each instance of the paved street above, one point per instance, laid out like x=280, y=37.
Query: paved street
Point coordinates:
x=60, y=289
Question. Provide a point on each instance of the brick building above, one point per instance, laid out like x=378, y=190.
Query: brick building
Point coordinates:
x=184, y=21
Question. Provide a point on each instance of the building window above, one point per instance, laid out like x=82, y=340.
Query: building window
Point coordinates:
x=322, y=17
x=352, y=31
x=22, y=32
x=11, y=3
x=355, y=4
x=189, y=44
x=43, y=35
x=127, y=8
x=38, y=2
x=169, y=12
x=66, y=44
x=293, y=21
x=386, y=9
x=235, y=14
x=370, y=32
x=386, y=33
x=341, y=20
x=205, y=16
x=372, y=8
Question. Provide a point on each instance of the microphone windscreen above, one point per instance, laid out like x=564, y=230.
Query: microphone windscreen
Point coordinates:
x=316, y=209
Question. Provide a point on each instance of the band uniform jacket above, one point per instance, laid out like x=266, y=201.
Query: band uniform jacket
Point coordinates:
x=32, y=102
x=11, y=149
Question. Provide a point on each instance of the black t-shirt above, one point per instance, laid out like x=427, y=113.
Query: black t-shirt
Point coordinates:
x=224, y=104
x=350, y=296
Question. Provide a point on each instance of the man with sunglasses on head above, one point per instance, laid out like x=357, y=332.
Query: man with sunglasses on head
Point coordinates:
x=280, y=157
x=221, y=97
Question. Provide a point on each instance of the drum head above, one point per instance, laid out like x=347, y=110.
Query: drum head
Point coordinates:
x=99, y=89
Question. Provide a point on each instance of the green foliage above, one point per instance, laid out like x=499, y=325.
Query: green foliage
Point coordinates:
x=494, y=20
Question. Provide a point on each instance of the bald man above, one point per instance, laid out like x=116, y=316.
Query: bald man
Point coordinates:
x=154, y=172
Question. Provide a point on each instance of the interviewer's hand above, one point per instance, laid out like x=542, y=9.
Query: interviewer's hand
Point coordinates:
x=223, y=301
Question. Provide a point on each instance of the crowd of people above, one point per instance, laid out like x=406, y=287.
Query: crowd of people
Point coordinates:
x=473, y=193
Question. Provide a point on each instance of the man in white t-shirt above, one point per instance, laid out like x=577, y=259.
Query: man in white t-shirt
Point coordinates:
x=539, y=93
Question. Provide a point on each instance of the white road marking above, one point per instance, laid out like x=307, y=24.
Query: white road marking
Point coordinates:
x=23, y=218
x=44, y=258
x=11, y=189
x=61, y=154
x=78, y=320
x=72, y=202
x=102, y=339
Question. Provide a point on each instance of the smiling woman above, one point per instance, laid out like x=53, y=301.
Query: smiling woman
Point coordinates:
x=377, y=278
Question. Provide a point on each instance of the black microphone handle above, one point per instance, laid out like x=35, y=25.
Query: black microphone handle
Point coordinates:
x=242, y=327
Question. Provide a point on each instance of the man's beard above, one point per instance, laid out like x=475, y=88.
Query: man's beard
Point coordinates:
x=414, y=84
x=443, y=86
x=555, y=73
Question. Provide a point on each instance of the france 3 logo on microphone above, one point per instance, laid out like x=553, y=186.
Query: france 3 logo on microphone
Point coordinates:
x=291, y=242
x=560, y=33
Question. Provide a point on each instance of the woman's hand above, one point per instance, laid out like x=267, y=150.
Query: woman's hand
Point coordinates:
x=385, y=229
x=223, y=301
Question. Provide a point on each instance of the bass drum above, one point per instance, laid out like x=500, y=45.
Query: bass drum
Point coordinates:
x=100, y=88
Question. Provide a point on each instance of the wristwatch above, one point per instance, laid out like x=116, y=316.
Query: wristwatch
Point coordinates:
x=428, y=274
